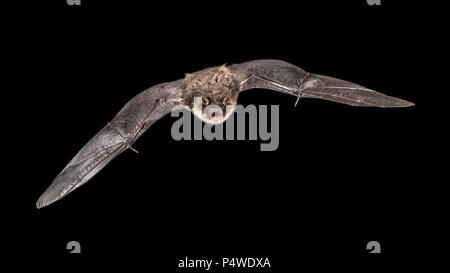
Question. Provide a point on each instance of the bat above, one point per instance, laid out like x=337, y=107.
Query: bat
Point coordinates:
x=219, y=86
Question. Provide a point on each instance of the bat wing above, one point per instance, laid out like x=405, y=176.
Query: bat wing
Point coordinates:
x=287, y=78
x=118, y=135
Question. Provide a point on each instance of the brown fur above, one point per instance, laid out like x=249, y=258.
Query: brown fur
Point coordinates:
x=215, y=84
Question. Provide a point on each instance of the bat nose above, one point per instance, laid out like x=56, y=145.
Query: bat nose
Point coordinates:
x=213, y=114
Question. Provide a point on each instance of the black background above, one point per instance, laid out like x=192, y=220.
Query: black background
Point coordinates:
x=341, y=177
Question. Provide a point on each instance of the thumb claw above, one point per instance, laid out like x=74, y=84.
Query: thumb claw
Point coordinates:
x=298, y=98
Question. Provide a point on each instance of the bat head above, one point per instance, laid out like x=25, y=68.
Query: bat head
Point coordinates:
x=211, y=94
x=212, y=110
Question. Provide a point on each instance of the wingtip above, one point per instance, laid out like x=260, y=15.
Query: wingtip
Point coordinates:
x=393, y=102
x=404, y=103
x=40, y=203
x=43, y=201
x=409, y=104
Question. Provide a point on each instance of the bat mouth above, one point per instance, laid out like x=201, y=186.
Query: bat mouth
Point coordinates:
x=213, y=114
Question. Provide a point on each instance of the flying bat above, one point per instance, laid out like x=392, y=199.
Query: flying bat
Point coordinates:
x=219, y=86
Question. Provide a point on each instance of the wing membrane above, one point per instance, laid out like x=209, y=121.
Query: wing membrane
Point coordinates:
x=287, y=78
x=118, y=135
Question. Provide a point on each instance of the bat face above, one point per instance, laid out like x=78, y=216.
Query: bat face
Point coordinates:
x=213, y=110
x=211, y=94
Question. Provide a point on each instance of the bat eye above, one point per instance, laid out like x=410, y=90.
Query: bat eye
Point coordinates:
x=205, y=101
